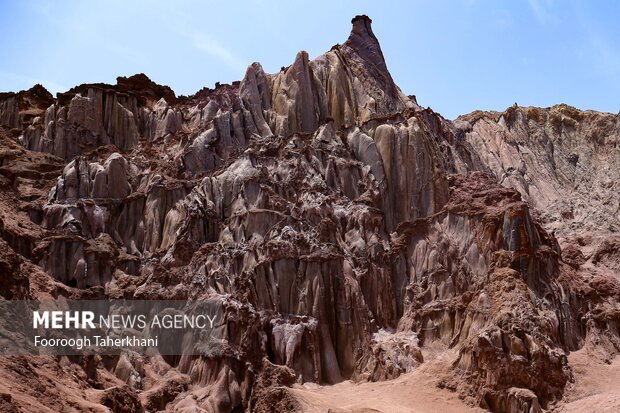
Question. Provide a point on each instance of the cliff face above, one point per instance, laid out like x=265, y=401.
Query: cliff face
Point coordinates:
x=347, y=229
x=564, y=163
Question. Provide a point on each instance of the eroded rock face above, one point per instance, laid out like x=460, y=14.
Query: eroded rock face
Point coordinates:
x=343, y=228
x=19, y=109
x=562, y=161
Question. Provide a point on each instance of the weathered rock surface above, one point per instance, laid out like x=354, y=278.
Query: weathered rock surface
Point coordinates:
x=344, y=229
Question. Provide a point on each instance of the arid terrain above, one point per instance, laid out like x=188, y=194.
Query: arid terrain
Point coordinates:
x=370, y=255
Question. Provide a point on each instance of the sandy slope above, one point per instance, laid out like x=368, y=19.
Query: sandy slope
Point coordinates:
x=596, y=389
x=597, y=385
x=415, y=392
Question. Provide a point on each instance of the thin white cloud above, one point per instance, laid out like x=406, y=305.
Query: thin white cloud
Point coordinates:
x=82, y=23
x=211, y=46
x=542, y=11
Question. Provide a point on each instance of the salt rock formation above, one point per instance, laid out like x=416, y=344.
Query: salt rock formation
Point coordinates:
x=90, y=116
x=563, y=162
x=344, y=230
x=19, y=109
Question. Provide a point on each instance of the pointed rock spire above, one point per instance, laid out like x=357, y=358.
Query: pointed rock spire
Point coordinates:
x=364, y=42
x=363, y=55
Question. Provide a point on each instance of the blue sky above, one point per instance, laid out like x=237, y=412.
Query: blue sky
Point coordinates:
x=455, y=56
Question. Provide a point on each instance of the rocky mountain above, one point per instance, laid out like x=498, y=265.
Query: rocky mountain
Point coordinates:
x=349, y=233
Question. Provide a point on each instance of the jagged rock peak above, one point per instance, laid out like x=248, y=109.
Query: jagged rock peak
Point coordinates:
x=37, y=96
x=23, y=106
x=143, y=85
x=364, y=42
x=139, y=85
x=39, y=93
x=362, y=25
